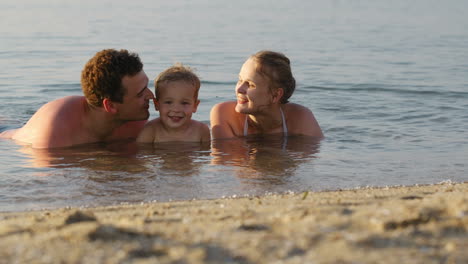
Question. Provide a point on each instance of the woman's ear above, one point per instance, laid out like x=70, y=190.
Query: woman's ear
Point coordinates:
x=109, y=106
x=277, y=95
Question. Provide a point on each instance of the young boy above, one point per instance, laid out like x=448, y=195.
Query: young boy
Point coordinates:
x=176, y=92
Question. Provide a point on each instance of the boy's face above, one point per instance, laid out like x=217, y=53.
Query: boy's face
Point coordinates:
x=176, y=103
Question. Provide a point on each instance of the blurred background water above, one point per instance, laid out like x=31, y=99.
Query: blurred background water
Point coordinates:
x=387, y=81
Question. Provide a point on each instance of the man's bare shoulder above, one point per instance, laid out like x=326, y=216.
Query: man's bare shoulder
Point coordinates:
x=51, y=124
x=58, y=112
x=59, y=104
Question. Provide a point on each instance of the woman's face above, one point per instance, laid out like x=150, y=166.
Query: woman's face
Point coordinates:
x=252, y=91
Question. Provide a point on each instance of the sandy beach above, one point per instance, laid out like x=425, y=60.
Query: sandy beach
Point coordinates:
x=416, y=224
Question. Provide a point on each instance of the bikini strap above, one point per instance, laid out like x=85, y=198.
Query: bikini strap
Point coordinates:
x=285, y=127
x=246, y=125
x=283, y=119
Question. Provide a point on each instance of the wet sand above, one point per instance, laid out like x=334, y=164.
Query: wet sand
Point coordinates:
x=416, y=224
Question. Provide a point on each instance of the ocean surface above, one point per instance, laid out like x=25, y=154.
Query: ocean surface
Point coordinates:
x=387, y=81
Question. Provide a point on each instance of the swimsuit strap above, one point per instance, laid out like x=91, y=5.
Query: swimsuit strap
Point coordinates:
x=285, y=127
x=246, y=125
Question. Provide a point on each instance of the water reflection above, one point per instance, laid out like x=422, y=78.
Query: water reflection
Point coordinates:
x=175, y=158
x=117, y=156
x=104, y=174
x=255, y=157
x=271, y=158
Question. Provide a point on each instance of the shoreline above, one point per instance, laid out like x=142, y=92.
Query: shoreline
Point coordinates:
x=417, y=224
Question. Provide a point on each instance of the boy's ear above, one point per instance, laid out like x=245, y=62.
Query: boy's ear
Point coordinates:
x=109, y=106
x=277, y=95
x=156, y=104
x=195, y=106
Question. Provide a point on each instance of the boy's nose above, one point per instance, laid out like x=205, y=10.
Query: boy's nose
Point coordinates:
x=176, y=107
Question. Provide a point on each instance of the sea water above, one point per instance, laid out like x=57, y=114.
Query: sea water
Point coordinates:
x=387, y=81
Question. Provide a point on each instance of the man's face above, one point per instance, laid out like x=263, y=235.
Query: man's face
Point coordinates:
x=136, y=100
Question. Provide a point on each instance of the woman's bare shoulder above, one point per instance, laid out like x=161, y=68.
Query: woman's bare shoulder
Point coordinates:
x=224, y=107
x=295, y=107
x=301, y=120
x=299, y=112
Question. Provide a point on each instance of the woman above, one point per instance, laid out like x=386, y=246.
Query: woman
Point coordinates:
x=264, y=87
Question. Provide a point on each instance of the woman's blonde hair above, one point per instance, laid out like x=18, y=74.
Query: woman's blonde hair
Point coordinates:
x=276, y=67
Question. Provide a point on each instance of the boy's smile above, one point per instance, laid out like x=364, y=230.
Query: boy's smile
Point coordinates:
x=176, y=104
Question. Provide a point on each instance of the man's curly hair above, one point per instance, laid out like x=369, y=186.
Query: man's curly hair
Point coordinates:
x=102, y=75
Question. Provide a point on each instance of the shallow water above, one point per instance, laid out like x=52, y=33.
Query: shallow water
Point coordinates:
x=387, y=82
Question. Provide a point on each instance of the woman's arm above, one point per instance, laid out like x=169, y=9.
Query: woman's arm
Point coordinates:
x=221, y=117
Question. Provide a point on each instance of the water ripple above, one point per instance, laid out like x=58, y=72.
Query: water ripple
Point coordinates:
x=403, y=91
x=71, y=87
x=218, y=83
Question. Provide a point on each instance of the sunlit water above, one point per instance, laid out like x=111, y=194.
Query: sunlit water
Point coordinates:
x=387, y=81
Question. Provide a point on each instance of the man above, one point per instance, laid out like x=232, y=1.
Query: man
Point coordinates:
x=114, y=106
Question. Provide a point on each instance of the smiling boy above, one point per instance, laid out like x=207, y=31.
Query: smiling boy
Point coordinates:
x=176, y=100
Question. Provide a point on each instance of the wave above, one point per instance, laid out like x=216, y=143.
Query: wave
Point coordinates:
x=377, y=89
x=218, y=83
x=73, y=87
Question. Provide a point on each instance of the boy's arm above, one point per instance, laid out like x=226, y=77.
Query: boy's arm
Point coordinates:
x=205, y=133
x=147, y=135
x=219, y=118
